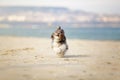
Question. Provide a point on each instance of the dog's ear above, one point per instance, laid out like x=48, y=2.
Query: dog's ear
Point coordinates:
x=62, y=30
x=64, y=38
x=52, y=36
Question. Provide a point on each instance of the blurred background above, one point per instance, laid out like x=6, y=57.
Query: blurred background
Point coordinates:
x=81, y=19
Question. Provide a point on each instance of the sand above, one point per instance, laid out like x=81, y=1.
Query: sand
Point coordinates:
x=23, y=58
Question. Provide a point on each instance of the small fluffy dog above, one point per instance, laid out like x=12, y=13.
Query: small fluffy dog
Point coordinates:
x=59, y=44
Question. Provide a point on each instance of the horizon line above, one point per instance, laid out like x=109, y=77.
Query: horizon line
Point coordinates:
x=59, y=7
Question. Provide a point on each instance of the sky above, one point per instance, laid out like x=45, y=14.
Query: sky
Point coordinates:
x=96, y=6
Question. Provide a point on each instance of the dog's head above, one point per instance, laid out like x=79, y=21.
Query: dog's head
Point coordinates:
x=59, y=35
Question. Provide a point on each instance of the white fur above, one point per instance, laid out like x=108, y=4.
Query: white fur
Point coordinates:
x=59, y=49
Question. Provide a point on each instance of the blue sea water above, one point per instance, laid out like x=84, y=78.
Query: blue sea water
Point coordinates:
x=72, y=33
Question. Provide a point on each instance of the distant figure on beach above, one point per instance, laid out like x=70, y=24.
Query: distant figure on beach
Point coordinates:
x=59, y=44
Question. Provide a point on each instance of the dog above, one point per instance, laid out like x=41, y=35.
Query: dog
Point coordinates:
x=59, y=43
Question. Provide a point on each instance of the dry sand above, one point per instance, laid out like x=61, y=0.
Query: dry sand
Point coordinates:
x=32, y=59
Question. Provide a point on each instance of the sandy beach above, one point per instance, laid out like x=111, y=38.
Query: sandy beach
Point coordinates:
x=27, y=58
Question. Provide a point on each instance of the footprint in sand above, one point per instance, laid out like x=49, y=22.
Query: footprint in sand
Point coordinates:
x=71, y=60
x=66, y=60
x=108, y=62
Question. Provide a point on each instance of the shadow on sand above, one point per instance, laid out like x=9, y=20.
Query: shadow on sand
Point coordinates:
x=76, y=56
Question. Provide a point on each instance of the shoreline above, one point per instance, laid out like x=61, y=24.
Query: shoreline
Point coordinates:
x=6, y=36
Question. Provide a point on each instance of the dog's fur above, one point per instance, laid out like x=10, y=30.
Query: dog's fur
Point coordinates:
x=59, y=44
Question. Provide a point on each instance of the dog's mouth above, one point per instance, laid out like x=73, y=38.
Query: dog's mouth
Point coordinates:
x=57, y=34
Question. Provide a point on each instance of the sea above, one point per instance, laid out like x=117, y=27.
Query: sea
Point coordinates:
x=92, y=33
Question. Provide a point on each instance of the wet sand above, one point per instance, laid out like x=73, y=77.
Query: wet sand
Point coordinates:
x=24, y=58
